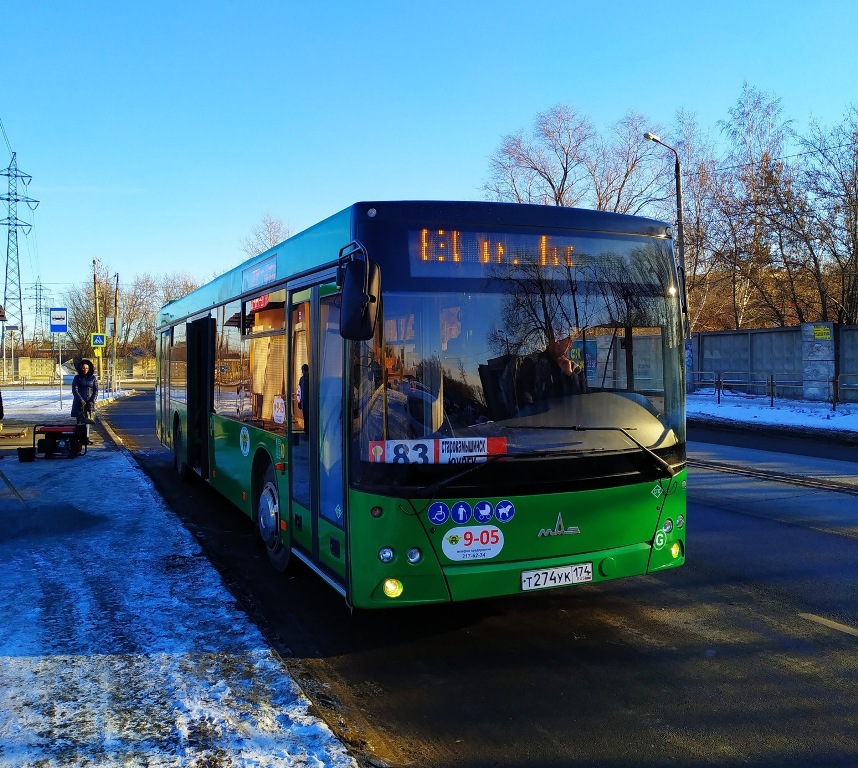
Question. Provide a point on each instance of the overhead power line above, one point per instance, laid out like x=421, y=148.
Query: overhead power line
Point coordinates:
x=5, y=137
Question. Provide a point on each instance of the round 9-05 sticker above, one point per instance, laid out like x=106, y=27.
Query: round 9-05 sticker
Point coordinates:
x=473, y=542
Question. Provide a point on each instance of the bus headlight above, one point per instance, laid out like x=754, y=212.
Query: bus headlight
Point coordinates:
x=386, y=554
x=392, y=587
x=676, y=550
x=667, y=527
x=680, y=521
x=414, y=555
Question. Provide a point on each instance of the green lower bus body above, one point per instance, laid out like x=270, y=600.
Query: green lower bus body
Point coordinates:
x=614, y=532
x=546, y=531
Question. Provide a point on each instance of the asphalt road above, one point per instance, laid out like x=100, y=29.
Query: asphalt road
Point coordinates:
x=748, y=655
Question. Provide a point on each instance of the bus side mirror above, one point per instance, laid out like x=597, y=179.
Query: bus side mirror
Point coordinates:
x=360, y=280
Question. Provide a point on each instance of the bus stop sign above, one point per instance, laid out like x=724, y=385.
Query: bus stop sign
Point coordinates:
x=59, y=320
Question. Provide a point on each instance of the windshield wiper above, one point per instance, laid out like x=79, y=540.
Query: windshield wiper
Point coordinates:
x=435, y=487
x=660, y=462
x=491, y=458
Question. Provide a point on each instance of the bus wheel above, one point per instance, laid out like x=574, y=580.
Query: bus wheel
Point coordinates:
x=268, y=521
x=178, y=462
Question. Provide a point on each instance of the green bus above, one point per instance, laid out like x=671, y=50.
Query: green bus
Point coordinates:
x=442, y=401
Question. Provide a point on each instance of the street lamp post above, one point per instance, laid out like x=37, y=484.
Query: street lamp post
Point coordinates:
x=680, y=224
x=679, y=221
x=114, y=378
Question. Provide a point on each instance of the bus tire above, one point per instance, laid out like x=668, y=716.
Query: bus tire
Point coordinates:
x=178, y=461
x=268, y=521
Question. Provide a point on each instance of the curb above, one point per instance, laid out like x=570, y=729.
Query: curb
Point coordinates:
x=115, y=439
x=818, y=434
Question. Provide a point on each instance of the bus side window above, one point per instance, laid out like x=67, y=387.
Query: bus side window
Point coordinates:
x=228, y=360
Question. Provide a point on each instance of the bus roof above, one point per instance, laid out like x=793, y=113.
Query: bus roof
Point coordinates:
x=318, y=246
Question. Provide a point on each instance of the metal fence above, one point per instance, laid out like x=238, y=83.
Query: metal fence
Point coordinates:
x=45, y=370
x=765, y=384
x=845, y=388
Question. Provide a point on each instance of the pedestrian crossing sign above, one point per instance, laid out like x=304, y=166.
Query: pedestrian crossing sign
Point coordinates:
x=97, y=339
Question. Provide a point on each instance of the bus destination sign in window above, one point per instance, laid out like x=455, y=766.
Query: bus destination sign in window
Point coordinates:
x=454, y=253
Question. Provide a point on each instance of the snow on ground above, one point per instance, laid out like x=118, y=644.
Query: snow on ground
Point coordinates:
x=29, y=403
x=757, y=411
x=119, y=644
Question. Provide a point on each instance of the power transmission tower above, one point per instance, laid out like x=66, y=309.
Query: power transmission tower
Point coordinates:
x=38, y=296
x=12, y=287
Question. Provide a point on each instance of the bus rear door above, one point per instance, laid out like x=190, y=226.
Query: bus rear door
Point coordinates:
x=201, y=352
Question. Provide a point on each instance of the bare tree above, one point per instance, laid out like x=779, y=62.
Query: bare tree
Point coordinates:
x=546, y=166
x=703, y=228
x=137, y=313
x=139, y=303
x=268, y=233
x=830, y=175
x=173, y=286
x=626, y=173
x=81, y=303
x=564, y=161
x=756, y=133
x=798, y=287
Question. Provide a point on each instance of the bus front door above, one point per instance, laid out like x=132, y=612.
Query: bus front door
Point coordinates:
x=316, y=374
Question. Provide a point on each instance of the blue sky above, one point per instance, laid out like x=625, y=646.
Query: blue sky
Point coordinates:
x=159, y=133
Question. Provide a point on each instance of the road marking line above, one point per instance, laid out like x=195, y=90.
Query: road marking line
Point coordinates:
x=830, y=624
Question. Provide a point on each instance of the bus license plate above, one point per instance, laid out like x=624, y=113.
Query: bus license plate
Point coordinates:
x=561, y=576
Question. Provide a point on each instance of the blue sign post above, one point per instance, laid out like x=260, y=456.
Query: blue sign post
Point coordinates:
x=60, y=324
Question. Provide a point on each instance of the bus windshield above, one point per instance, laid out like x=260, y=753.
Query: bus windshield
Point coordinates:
x=574, y=355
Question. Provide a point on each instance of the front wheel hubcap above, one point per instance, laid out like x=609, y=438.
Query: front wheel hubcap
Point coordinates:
x=268, y=513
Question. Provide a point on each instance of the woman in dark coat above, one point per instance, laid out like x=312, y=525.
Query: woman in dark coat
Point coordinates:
x=84, y=390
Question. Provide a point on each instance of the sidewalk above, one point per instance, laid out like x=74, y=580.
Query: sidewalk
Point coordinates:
x=119, y=644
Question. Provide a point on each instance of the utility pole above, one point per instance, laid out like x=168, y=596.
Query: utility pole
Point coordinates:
x=97, y=312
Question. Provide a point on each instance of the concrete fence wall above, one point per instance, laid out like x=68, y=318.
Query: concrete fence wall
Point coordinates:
x=799, y=362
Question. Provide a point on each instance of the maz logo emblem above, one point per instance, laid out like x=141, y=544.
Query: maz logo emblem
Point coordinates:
x=559, y=529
